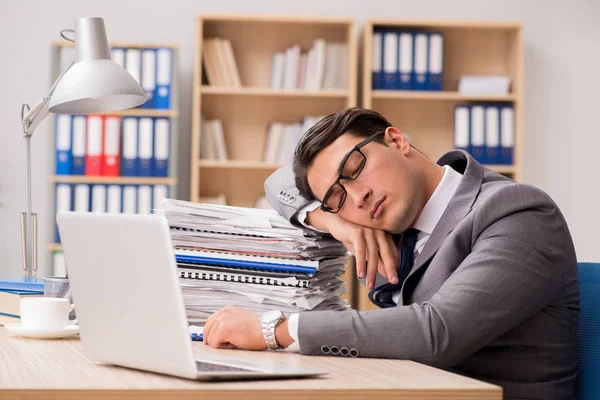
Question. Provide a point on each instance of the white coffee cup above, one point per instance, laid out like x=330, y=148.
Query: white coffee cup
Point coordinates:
x=48, y=313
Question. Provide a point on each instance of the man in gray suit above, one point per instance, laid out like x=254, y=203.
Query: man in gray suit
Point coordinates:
x=487, y=285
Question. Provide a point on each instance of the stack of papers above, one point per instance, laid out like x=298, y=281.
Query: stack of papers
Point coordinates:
x=484, y=85
x=252, y=258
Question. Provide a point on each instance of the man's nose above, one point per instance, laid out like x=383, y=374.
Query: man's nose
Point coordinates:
x=358, y=192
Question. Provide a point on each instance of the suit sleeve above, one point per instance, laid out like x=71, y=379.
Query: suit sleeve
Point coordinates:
x=283, y=196
x=518, y=261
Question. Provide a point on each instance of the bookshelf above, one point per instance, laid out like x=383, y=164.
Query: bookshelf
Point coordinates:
x=470, y=48
x=62, y=54
x=247, y=110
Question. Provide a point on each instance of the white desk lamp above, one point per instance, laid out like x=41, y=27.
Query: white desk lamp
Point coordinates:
x=93, y=83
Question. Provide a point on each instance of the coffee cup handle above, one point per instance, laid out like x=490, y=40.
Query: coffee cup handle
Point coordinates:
x=73, y=321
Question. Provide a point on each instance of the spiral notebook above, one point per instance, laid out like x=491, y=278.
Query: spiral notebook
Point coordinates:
x=243, y=278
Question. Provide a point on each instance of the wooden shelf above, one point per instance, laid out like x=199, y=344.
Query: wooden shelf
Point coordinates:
x=447, y=24
x=237, y=164
x=54, y=247
x=266, y=92
x=118, y=180
x=144, y=112
x=502, y=169
x=440, y=95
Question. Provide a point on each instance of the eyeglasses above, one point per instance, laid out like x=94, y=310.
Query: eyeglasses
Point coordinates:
x=350, y=168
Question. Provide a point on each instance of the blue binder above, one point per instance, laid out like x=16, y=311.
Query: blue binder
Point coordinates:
x=129, y=146
x=244, y=264
x=164, y=67
x=435, y=64
x=478, y=132
x=462, y=128
x=63, y=145
x=390, y=59
x=78, y=144
x=377, y=61
x=161, y=147
x=405, y=60
x=148, y=76
x=420, y=60
x=507, y=135
x=492, y=135
x=146, y=147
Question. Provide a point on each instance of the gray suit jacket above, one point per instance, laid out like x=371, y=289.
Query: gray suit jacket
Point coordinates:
x=493, y=295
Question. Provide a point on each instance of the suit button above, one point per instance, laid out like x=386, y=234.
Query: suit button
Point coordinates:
x=335, y=350
x=344, y=351
x=354, y=353
x=325, y=349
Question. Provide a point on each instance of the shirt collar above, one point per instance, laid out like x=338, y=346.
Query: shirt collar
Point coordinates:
x=437, y=203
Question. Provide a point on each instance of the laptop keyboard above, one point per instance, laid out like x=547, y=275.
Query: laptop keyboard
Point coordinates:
x=204, y=366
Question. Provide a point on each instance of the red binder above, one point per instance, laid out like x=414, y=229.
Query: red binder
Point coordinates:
x=93, y=154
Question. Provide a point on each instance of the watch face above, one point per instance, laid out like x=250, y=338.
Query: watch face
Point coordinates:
x=271, y=316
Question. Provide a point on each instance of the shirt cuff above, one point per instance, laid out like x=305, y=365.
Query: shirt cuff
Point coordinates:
x=301, y=215
x=293, y=331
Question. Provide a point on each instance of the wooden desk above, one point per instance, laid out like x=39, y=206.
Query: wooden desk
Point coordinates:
x=45, y=369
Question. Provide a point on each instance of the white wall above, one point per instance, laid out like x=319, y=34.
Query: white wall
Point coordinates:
x=562, y=84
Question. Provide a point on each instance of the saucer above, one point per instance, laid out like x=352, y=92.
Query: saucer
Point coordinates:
x=37, y=333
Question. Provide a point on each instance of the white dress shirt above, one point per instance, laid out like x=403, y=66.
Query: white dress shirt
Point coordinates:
x=428, y=219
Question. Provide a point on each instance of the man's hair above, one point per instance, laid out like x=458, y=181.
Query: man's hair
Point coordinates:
x=360, y=122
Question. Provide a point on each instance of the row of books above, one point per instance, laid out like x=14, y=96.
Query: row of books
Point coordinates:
x=152, y=68
x=127, y=199
x=254, y=259
x=407, y=60
x=219, y=63
x=323, y=66
x=212, y=140
x=486, y=131
x=112, y=146
x=283, y=138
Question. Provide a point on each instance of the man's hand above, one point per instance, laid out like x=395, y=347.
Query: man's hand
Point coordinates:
x=232, y=328
x=373, y=249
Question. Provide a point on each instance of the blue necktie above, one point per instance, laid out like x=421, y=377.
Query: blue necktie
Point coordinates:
x=382, y=296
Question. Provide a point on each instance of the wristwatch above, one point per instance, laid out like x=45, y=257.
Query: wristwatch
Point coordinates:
x=268, y=323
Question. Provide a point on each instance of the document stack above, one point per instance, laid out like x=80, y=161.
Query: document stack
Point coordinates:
x=252, y=258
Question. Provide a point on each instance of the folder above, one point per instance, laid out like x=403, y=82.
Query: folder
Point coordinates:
x=420, y=60
x=164, y=66
x=478, y=132
x=390, y=59
x=98, y=199
x=129, y=199
x=144, y=199
x=81, y=200
x=63, y=145
x=376, y=69
x=79, y=144
x=492, y=135
x=161, y=146
x=113, y=199
x=63, y=203
x=436, y=61
x=94, y=145
x=117, y=54
x=159, y=193
x=145, y=147
x=149, y=76
x=133, y=63
x=405, y=62
x=462, y=128
x=129, y=156
x=507, y=135
x=110, y=157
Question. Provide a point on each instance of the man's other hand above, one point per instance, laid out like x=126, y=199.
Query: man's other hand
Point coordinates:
x=373, y=249
x=232, y=328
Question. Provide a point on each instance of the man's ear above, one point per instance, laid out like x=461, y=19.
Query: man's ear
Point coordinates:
x=396, y=139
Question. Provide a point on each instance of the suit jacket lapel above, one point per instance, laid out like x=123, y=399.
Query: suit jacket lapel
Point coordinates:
x=459, y=205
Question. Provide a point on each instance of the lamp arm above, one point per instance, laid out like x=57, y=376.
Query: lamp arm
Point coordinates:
x=39, y=111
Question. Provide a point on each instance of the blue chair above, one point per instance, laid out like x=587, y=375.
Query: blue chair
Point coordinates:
x=588, y=332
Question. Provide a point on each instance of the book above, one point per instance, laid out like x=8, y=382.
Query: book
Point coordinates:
x=10, y=301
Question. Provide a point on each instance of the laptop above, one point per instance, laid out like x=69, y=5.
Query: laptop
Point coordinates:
x=129, y=302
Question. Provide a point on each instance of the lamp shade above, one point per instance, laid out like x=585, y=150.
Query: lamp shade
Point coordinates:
x=95, y=83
